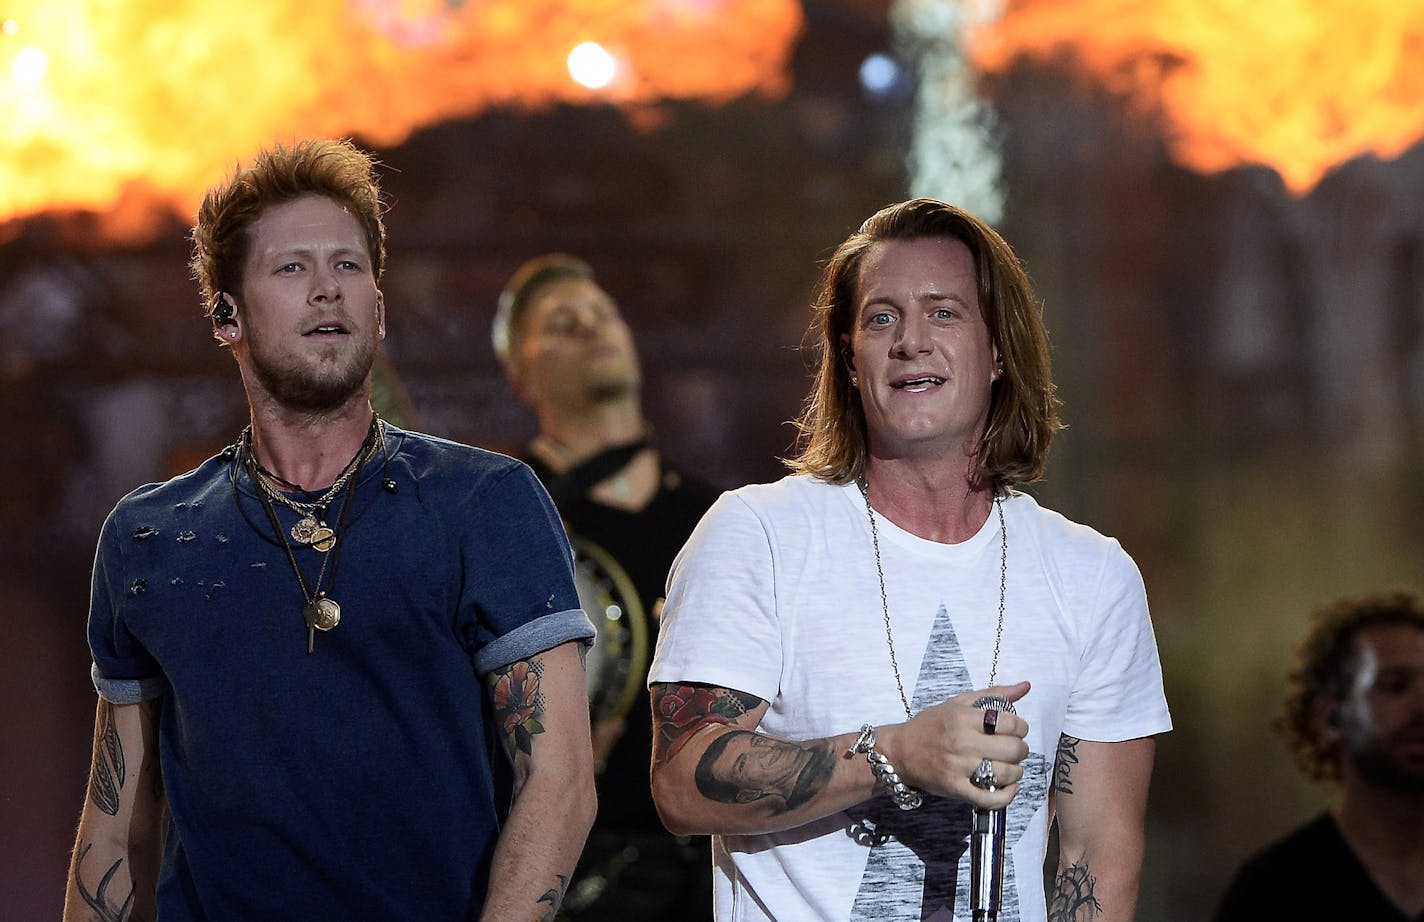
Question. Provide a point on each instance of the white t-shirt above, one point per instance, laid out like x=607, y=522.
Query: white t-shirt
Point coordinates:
x=776, y=595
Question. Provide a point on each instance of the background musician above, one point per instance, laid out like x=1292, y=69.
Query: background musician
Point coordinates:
x=570, y=357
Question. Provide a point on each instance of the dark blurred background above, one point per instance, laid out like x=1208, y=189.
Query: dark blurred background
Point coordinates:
x=1242, y=369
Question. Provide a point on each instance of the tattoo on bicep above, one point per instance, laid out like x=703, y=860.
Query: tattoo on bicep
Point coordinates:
x=104, y=909
x=679, y=711
x=1072, y=899
x=106, y=776
x=1063, y=764
x=551, y=900
x=518, y=704
x=742, y=767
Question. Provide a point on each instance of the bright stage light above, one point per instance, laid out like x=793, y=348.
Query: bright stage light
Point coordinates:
x=592, y=66
x=879, y=73
x=29, y=66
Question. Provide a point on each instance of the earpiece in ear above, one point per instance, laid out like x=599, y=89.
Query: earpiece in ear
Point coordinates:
x=224, y=309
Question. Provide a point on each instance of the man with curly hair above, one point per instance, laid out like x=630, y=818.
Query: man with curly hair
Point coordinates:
x=1353, y=718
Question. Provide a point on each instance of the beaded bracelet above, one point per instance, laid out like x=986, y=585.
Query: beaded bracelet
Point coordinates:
x=904, y=796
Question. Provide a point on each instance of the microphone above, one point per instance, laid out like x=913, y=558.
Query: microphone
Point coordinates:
x=986, y=843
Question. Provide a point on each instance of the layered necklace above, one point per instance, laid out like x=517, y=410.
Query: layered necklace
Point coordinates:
x=321, y=612
x=311, y=529
x=885, y=599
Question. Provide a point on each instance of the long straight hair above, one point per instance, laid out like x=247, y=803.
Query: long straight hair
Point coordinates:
x=1023, y=407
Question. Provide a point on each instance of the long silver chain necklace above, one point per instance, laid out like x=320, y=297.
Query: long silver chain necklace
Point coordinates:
x=885, y=599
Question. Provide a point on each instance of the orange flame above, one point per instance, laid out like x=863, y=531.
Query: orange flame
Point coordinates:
x=1298, y=85
x=132, y=109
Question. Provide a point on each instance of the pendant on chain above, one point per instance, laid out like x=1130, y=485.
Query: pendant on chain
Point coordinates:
x=305, y=529
x=314, y=533
x=321, y=614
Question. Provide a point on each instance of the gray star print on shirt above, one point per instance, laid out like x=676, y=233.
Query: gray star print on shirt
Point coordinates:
x=922, y=856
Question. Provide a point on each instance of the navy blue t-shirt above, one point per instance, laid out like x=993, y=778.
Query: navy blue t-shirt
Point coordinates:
x=353, y=782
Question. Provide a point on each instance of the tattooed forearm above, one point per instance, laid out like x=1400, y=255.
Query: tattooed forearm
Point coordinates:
x=1072, y=899
x=679, y=711
x=106, y=776
x=549, y=903
x=105, y=910
x=518, y=704
x=1063, y=764
x=741, y=767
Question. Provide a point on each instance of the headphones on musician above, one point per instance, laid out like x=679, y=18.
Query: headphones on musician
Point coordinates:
x=223, y=310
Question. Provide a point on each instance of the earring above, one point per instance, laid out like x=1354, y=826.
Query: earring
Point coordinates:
x=854, y=381
x=232, y=334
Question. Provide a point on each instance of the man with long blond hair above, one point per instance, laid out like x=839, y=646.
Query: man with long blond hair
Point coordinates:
x=829, y=639
x=307, y=649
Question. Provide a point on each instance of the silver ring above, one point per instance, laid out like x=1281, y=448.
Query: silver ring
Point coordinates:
x=983, y=777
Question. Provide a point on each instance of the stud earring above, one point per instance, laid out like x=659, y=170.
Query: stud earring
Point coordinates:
x=232, y=334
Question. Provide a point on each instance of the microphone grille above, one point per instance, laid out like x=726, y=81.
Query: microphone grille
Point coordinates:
x=997, y=702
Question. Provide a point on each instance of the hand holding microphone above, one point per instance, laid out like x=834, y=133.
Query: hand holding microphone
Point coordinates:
x=986, y=840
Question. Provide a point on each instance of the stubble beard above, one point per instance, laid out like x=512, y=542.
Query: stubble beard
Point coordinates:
x=610, y=390
x=609, y=385
x=1382, y=768
x=315, y=389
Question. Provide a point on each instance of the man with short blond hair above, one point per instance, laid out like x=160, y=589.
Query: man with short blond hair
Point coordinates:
x=307, y=648
x=570, y=356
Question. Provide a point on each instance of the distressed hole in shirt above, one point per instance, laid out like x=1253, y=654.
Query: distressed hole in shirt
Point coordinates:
x=549, y=603
x=181, y=506
x=214, y=589
x=258, y=565
x=185, y=537
x=222, y=538
x=137, y=586
x=176, y=581
x=144, y=531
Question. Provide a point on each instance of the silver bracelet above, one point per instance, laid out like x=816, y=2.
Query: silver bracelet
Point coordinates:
x=905, y=797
